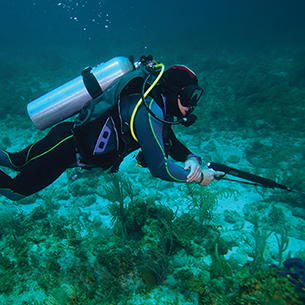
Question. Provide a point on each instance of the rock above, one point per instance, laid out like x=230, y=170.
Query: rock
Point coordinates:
x=234, y=159
x=232, y=238
x=231, y=216
x=237, y=260
x=298, y=212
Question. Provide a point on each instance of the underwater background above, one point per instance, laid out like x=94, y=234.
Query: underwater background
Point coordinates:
x=134, y=239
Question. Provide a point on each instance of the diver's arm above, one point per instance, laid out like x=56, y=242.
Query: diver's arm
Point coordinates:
x=150, y=136
x=181, y=153
x=177, y=150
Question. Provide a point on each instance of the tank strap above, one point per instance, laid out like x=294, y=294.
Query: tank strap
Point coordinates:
x=91, y=83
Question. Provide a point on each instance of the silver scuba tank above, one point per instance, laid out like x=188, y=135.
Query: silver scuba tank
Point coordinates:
x=68, y=99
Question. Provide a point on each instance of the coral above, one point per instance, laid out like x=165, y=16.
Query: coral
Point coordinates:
x=268, y=288
x=264, y=287
x=158, y=267
x=119, y=212
x=294, y=270
x=118, y=260
x=225, y=266
x=202, y=202
x=39, y=213
x=49, y=202
x=115, y=191
x=260, y=236
x=282, y=242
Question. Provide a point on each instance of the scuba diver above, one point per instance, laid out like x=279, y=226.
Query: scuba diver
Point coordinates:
x=103, y=140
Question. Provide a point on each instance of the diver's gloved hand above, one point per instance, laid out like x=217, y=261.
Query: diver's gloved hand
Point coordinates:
x=193, y=165
x=207, y=176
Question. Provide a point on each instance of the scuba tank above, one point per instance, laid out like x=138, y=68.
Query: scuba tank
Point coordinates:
x=68, y=99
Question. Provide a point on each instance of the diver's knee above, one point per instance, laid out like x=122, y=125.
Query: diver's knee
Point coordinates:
x=5, y=160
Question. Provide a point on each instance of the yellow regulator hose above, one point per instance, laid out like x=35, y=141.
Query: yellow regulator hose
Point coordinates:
x=141, y=100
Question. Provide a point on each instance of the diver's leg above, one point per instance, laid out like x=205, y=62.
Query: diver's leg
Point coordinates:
x=6, y=187
x=17, y=161
x=46, y=160
x=6, y=161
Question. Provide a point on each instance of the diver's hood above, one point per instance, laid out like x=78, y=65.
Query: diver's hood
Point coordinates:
x=180, y=81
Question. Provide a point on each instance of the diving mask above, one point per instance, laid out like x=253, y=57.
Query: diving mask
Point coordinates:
x=190, y=95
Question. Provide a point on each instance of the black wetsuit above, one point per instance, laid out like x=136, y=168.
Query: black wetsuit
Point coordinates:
x=43, y=162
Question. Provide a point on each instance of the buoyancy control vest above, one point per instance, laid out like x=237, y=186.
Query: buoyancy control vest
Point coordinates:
x=98, y=129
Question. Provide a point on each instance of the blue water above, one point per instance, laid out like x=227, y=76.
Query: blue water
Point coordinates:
x=35, y=23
